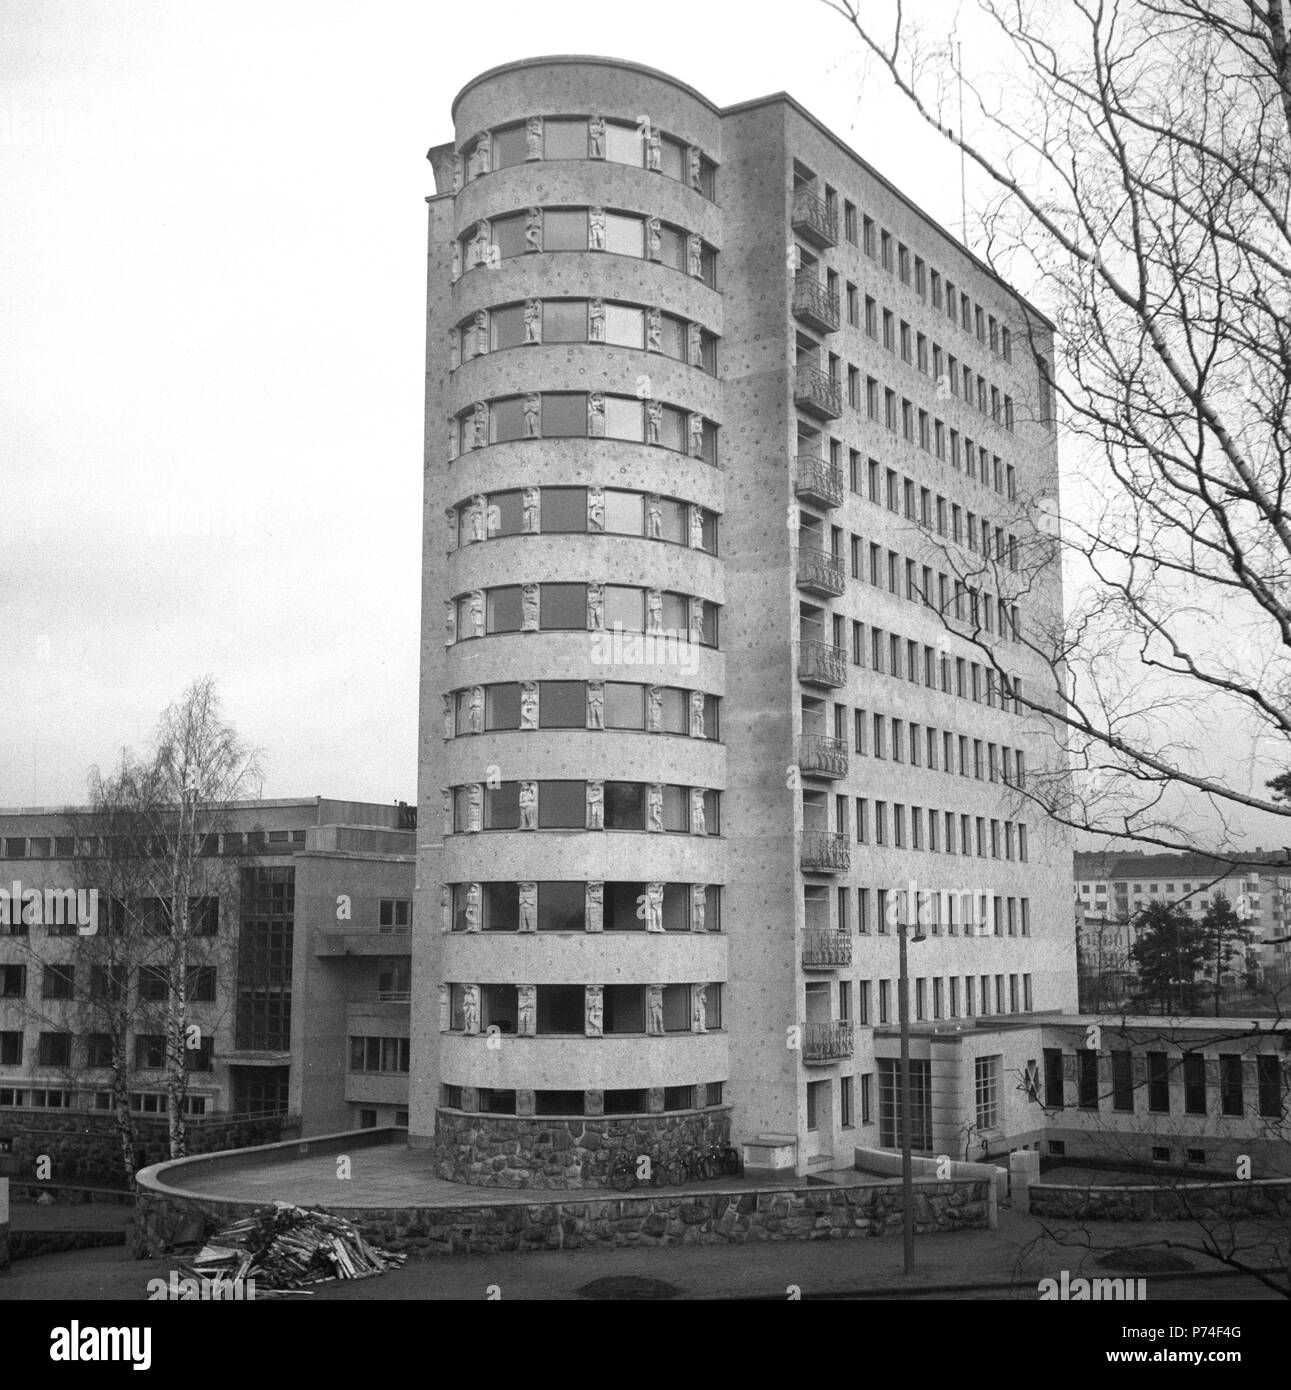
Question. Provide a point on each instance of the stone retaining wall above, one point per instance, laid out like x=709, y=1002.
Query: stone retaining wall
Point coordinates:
x=85, y=1146
x=24, y=1245
x=576, y=1152
x=659, y=1217
x=1223, y=1200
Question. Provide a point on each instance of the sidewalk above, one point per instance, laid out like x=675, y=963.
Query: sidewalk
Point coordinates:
x=953, y=1265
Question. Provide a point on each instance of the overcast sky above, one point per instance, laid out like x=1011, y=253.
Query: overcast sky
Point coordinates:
x=212, y=265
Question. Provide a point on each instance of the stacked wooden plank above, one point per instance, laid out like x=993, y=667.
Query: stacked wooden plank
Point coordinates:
x=285, y=1247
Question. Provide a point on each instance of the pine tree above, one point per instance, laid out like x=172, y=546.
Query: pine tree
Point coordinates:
x=1226, y=937
x=1168, y=950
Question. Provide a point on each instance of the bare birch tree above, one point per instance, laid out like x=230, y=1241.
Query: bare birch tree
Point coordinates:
x=1138, y=157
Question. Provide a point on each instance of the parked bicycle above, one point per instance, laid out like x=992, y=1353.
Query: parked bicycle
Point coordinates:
x=689, y=1166
x=633, y=1170
x=724, y=1160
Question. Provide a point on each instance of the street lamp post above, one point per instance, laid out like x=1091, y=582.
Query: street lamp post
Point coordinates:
x=907, y=1162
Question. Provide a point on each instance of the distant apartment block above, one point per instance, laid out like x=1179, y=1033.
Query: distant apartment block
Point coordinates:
x=301, y=992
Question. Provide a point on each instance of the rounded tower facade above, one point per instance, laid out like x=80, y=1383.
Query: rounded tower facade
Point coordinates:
x=574, y=543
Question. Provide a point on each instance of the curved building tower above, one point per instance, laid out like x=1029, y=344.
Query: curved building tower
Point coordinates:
x=638, y=885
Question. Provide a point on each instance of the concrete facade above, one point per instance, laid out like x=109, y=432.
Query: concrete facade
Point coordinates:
x=286, y=1002
x=722, y=357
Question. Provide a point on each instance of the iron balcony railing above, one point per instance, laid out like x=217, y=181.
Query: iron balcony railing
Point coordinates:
x=816, y=393
x=825, y=851
x=820, y=571
x=819, y=663
x=822, y=756
x=815, y=304
x=812, y=218
x=824, y=949
x=817, y=480
x=828, y=1042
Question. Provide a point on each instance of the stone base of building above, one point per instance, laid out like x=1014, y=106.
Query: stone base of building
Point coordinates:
x=562, y=1153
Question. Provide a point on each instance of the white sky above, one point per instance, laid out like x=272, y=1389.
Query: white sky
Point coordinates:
x=212, y=290
x=212, y=286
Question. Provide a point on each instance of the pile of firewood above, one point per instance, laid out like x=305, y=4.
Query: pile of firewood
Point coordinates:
x=284, y=1247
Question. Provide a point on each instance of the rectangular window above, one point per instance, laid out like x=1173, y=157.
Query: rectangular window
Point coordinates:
x=1231, y=1100
x=1087, y=1079
x=1194, y=1083
x=1053, y=1090
x=986, y=1079
x=1158, y=1082
x=58, y=982
x=1268, y=1075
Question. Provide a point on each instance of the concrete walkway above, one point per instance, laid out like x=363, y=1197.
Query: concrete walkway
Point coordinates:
x=395, y=1176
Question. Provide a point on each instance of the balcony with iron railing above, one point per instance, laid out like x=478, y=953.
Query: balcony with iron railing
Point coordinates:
x=820, y=571
x=825, y=851
x=820, y=663
x=819, y=481
x=828, y=1042
x=820, y=756
x=812, y=219
x=815, y=304
x=824, y=949
x=816, y=393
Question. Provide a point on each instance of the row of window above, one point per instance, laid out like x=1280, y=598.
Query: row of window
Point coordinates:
x=887, y=488
x=886, y=653
x=106, y=982
x=994, y=839
x=614, y=1102
x=895, y=257
x=154, y=915
x=120, y=847
x=955, y=380
x=536, y=321
x=494, y=240
x=576, y=906
x=46, y=1098
x=585, y=1010
x=950, y=598
x=974, y=912
x=656, y=709
x=95, y=1050
x=902, y=416
x=599, y=608
x=379, y=1054
x=1250, y=887
x=637, y=143
x=584, y=805
x=921, y=745
x=582, y=510
x=1117, y=1075
x=935, y=997
x=579, y=415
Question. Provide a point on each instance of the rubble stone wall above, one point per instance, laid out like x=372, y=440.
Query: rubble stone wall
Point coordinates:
x=658, y=1217
x=515, y=1152
x=1221, y=1200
